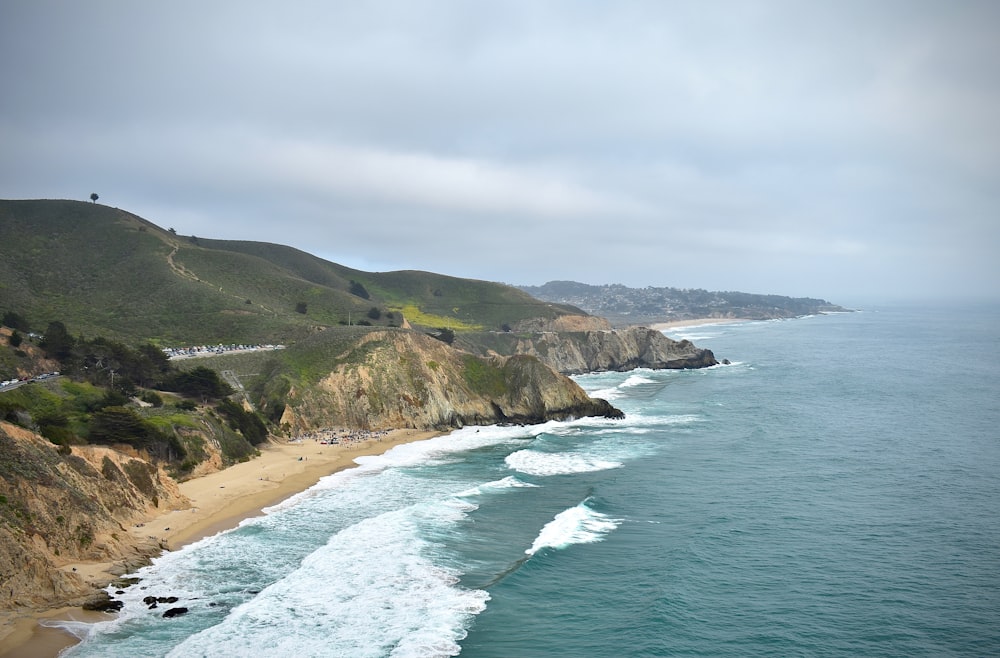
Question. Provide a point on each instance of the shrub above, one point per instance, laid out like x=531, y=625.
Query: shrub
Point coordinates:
x=444, y=335
x=359, y=290
x=15, y=321
x=201, y=383
x=245, y=422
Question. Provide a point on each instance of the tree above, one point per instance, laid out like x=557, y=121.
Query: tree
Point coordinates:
x=94, y=197
x=57, y=342
x=15, y=321
x=301, y=307
x=374, y=313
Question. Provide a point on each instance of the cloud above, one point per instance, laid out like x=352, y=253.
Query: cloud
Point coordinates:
x=429, y=181
x=826, y=146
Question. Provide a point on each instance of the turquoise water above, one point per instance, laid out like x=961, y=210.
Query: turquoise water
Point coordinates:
x=834, y=491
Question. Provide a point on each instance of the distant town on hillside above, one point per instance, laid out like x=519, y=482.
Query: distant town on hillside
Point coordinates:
x=624, y=306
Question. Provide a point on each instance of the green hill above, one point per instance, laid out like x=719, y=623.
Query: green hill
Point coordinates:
x=104, y=271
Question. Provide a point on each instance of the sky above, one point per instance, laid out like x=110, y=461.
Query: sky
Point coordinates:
x=848, y=150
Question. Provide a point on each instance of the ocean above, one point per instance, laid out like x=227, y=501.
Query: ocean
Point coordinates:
x=833, y=491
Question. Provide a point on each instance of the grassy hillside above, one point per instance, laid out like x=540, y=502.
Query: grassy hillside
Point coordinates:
x=104, y=271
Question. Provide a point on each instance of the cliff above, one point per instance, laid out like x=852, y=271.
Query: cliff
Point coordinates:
x=400, y=379
x=57, y=509
x=576, y=352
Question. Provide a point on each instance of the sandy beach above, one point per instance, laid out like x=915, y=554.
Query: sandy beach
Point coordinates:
x=219, y=501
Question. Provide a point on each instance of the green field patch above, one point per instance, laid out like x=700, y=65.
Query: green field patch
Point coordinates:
x=415, y=316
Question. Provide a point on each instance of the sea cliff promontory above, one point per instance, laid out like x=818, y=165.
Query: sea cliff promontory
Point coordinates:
x=577, y=352
x=396, y=378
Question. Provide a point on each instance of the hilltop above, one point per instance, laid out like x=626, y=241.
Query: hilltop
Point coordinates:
x=108, y=272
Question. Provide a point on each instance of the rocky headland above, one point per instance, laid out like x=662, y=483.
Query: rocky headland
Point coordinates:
x=395, y=379
x=593, y=347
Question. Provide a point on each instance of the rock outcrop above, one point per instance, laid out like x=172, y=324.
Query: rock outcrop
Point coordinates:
x=399, y=379
x=577, y=352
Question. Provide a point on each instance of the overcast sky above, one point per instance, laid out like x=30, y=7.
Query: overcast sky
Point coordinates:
x=845, y=150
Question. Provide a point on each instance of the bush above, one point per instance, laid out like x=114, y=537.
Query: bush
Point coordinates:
x=15, y=321
x=444, y=335
x=121, y=425
x=359, y=290
x=60, y=436
x=202, y=382
x=245, y=422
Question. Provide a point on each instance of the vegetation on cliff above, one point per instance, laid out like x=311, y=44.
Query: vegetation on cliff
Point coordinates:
x=110, y=394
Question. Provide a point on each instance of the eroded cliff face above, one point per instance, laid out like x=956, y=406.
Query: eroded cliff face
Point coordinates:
x=59, y=509
x=564, y=323
x=408, y=380
x=577, y=352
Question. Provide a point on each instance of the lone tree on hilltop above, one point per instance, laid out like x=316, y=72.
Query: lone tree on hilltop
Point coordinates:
x=94, y=197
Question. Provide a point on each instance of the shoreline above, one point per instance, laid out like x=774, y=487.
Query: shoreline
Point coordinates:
x=701, y=322
x=219, y=501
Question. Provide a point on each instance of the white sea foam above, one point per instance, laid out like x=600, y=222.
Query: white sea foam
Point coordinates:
x=606, y=393
x=693, y=337
x=78, y=629
x=371, y=591
x=509, y=482
x=636, y=380
x=534, y=462
x=577, y=525
x=639, y=423
x=426, y=452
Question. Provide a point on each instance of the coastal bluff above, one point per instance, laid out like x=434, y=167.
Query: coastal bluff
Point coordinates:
x=594, y=348
x=61, y=509
x=403, y=379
